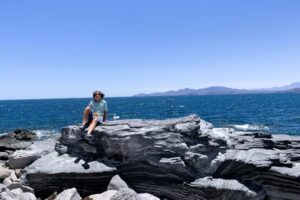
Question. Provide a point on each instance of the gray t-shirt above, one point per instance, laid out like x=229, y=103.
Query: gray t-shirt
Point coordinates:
x=98, y=107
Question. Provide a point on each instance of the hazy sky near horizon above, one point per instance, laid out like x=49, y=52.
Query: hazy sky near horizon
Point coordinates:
x=56, y=49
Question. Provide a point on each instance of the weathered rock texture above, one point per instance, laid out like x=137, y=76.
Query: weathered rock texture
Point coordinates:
x=184, y=158
x=55, y=173
x=22, y=158
x=18, y=139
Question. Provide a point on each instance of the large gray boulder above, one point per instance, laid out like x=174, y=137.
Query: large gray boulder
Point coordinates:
x=227, y=189
x=3, y=188
x=24, y=188
x=53, y=173
x=125, y=194
x=107, y=195
x=4, y=173
x=16, y=194
x=11, y=179
x=69, y=194
x=146, y=196
x=173, y=159
x=116, y=183
x=22, y=158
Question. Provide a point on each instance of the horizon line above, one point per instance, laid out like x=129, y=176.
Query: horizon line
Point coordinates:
x=142, y=93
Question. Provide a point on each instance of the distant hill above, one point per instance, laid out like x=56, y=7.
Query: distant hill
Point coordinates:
x=218, y=90
x=295, y=90
x=291, y=86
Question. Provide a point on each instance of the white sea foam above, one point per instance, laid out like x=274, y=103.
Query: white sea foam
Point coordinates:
x=44, y=133
x=250, y=127
x=3, y=133
x=116, y=116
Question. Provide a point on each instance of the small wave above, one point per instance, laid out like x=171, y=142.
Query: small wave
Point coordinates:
x=250, y=127
x=116, y=117
x=44, y=133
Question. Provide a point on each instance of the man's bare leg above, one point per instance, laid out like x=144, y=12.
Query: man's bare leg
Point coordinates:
x=85, y=117
x=92, y=126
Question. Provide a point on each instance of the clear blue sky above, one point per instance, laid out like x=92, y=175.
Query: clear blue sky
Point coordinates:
x=54, y=49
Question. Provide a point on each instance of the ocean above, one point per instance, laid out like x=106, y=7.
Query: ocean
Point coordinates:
x=274, y=113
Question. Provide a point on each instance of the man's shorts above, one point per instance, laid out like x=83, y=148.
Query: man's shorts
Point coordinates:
x=100, y=119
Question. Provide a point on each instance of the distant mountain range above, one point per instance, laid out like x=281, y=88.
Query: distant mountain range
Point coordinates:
x=219, y=90
x=295, y=90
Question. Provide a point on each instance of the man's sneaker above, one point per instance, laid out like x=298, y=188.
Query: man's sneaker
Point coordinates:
x=83, y=127
x=89, y=138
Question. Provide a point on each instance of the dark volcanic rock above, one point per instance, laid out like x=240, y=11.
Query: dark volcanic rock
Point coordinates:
x=23, y=134
x=184, y=158
x=18, y=139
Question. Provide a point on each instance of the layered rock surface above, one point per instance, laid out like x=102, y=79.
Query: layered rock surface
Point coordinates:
x=184, y=158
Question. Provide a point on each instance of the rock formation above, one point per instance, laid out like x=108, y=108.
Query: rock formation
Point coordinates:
x=184, y=158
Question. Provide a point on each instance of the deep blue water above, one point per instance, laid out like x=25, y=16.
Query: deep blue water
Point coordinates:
x=276, y=113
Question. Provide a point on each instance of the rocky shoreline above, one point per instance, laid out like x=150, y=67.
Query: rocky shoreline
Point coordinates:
x=183, y=158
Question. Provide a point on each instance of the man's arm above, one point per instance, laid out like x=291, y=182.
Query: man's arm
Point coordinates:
x=91, y=106
x=105, y=112
x=104, y=116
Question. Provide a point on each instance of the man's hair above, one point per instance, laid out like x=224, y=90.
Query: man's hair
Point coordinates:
x=98, y=92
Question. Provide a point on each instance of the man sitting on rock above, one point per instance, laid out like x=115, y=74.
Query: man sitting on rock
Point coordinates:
x=95, y=113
